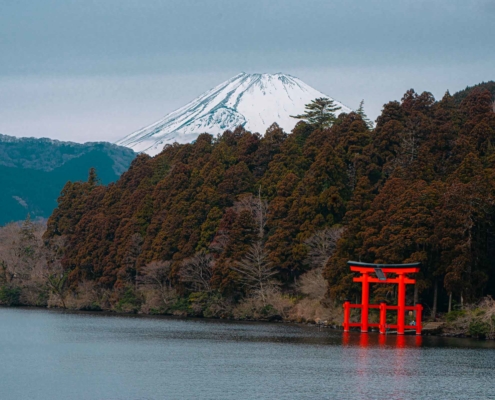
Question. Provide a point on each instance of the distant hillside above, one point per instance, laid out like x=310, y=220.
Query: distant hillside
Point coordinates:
x=34, y=171
x=461, y=95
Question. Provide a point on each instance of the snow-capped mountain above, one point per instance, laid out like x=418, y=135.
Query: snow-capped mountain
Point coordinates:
x=254, y=101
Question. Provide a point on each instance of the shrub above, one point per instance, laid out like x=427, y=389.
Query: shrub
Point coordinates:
x=34, y=293
x=479, y=329
x=453, y=315
x=315, y=310
x=128, y=302
x=10, y=295
x=313, y=284
x=275, y=306
x=477, y=321
x=180, y=307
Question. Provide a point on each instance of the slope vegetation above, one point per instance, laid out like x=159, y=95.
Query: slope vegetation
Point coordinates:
x=419, y=187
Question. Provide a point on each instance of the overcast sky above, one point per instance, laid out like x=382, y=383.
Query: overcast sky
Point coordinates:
x=100, y=69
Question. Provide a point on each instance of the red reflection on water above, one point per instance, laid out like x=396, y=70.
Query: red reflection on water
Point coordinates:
x=365, y=350
x=372, y=340
x=346, y=338
x=401, y=341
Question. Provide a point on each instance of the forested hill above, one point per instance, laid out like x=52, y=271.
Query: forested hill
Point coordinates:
x=419, y=187
x=461, y=95
x=34, y=171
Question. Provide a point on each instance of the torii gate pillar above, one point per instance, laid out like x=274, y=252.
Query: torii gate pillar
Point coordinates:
x=380, y=271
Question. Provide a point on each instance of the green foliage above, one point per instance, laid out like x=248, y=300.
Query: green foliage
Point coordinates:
x=479, y=329
x=181, y=305
x=42, y=299
x=128, y=301
x=463, y=94
x=454, y=315
x=362, y=114
x=268, y=311
x=320, y=112
x=122, y=307
x=10, y=295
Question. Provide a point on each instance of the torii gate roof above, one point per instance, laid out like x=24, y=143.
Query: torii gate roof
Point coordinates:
x=370, y=265
x=357, y=266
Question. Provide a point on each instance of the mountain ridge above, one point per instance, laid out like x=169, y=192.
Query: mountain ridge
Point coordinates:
x=47, y=154
x=34, y=171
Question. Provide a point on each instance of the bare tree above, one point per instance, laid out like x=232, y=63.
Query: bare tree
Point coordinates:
x=409, y=141
x=220, y=241
x=53, y=272
x=409, y=146
x=313, y=284
x=258, y=208
x=9, y=263
x=197, y=271
x=257, y=271
x=322, y=245
x=132, y=252
x=32, y=266
x=56, y=279
x=21, y=248
x=156, y=275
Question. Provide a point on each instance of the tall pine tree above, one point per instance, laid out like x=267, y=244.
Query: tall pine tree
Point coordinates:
x=320, y=112
x=364, y=117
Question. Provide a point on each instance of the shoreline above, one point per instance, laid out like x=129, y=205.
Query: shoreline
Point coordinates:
x=333, y=327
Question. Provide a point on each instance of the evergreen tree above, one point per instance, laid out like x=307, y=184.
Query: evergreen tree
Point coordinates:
x=320, y=112
x=93, y=179
x=364, y=117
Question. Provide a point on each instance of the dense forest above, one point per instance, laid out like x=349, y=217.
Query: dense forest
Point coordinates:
x=462, y=94
x=246, y=225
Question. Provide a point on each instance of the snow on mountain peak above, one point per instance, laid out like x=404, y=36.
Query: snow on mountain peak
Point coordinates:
x=254, y=101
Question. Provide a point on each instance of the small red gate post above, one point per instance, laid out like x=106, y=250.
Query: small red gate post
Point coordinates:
x=383, y=318
x=419, y=322
x=365, y=298
x=347, y=315
x=401, y=303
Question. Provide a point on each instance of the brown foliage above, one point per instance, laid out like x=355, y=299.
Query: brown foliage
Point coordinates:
x=419, y=187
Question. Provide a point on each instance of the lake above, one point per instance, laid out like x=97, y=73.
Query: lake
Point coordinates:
x=48, y=354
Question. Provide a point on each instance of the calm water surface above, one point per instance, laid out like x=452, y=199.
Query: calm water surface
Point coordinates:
x=55, y=355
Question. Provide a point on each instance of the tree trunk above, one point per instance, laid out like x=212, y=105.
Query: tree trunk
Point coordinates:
x=462, y=302
x=435, y=299
x=62, y=298
x=261, y=216
x=450, y=301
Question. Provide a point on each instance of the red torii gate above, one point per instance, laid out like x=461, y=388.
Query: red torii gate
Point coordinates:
x=381, y=271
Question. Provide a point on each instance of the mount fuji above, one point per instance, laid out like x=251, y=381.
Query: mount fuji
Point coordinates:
x=254, y=101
